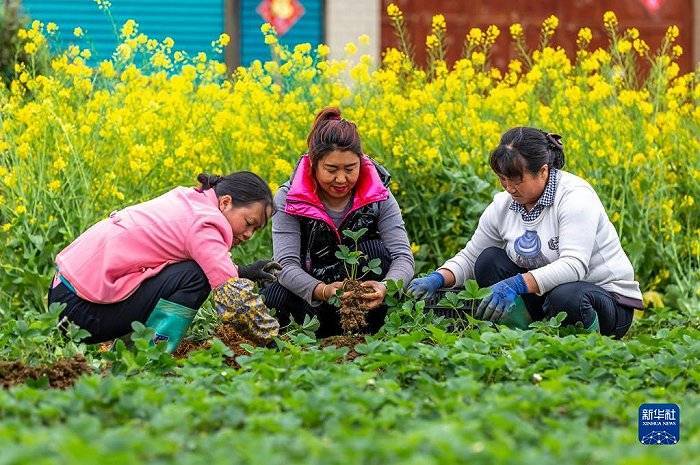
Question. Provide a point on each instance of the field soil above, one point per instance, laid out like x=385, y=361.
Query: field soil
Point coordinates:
x=228, y=335
x=60, y=375
x=344, y=341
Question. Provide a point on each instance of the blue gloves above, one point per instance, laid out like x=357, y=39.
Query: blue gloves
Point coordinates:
x=425, y=288
x=502, y=298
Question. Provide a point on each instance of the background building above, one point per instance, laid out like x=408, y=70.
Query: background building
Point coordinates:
x=194, y=24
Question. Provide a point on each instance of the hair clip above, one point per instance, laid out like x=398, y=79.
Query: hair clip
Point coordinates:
x=555, y=140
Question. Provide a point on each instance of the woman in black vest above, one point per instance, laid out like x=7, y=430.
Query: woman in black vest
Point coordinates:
x=334, y=187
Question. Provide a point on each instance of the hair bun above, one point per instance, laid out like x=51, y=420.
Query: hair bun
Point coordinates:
x=208, y=180
x=554, y=141
x=329, y=114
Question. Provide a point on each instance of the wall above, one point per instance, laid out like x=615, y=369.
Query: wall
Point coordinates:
x=347, y=20
x=461, y=15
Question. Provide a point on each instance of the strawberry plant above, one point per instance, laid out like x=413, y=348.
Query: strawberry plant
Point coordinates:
x=352, y=307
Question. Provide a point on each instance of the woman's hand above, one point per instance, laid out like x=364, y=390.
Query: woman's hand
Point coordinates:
x=323, y=291
x=375, y=295
x=502, y=298
x=262, y=271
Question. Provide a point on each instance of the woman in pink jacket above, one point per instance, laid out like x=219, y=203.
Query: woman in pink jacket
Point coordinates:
x=156, y=262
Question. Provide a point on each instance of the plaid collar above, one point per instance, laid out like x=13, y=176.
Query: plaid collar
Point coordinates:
x=545, y=200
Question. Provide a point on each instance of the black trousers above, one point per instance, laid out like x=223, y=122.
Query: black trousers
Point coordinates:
x=289, y=305
x=183, y=283
x=580, y=300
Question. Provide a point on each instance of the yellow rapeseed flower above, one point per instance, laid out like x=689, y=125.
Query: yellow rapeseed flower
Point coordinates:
x=550, y=25
x=653, y=299
x=584, y=37
x=78, y=32
x=30, y=48
x=439, y=23
x=492, y=33
x=516, y=30
x=59, y=164
x=129, y=28
x=624, y=46
x=393, y=11
x=107, y=69
x=478, y=58
x=475, y=35
x=124, y=51
x=672, y=32
x=640, y=47
x=431, y=41
x=610, y=20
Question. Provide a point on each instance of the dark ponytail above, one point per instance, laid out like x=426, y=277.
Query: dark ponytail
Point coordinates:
x=332, y=132
x=244, y=188
x=526, y=148
x=207, y=181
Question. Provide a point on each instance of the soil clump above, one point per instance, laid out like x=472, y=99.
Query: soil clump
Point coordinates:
x=60, y=375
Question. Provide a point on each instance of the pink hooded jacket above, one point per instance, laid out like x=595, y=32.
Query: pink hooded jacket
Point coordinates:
x=110, y=260
x=302, y=199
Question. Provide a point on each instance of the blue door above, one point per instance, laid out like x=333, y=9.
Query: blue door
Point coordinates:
x=191, y=24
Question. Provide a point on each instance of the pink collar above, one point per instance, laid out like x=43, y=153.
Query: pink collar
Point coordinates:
x=302, y=199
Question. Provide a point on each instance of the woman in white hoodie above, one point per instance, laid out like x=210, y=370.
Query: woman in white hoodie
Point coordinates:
x=546, y=242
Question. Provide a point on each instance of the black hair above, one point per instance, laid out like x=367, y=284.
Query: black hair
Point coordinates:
x=244, y=188
x=332, y=132
x=526, y=148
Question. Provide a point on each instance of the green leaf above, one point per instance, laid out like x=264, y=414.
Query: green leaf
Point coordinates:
x=355, y=235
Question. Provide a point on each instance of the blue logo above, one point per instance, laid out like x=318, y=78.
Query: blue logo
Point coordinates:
x=659, y=424
x=159, y=338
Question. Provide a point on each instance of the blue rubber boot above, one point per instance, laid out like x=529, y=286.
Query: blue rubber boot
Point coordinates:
x=170, y=322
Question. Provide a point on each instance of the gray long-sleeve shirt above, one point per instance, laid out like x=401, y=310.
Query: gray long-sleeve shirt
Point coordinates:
x=286, y=244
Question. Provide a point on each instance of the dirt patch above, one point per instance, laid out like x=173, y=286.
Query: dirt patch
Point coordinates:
x=344, y=341
x=227, y=335
x=60, y=375
x=353, y=308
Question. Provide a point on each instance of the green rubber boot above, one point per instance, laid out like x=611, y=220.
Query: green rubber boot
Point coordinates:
x=170, y=322
x=595, y=326
x=518, y=317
